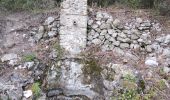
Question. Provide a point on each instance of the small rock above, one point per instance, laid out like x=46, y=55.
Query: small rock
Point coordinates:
x=9, y=44
x=122, y=35
x=118, y=51
x=148, y=48
x=151, y=61
x=116, y=43
x=38, y=36
x=103, y=32
x=49, y=20
x=103, y=26
x=27, y=93
x=116, y=22
x=124, y=45
x=55, y=92
x=41, y=29
x=8, y=57
x=134, y=37
x=166, y=53
x=90, y=22
x=167, y=39
x=51, y=33
x=166, y=70
x=94, y=26
x=139, y=20
x=96, y=41
x=28, y=65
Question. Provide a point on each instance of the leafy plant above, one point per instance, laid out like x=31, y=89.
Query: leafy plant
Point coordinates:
x=28, y=4
x=129, y=77
x=36, y=89
x=129, y=95
x=29, y=57
x=59, y=50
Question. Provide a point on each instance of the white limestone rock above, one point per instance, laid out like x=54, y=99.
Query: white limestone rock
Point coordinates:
x=116, y=22
x=27, y=93
x=167, y=39
x=151, y=62
x=49, y=20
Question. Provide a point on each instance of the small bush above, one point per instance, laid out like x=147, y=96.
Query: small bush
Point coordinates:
x=29, y=57
x=36, y=89
x=28, y=4
x=102, y=3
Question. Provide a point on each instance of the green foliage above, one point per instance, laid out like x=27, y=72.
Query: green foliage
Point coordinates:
x=36, y=89
x=29, y=57
x=161, y=84
x=102, y=3
x=92, y=67
x=130, y=3
x=28, y=4
x=129, y=95
x=129, y=77
x=59, y=50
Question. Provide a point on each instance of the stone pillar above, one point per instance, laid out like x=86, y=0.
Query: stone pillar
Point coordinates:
x=73, y=31
x=73, y=20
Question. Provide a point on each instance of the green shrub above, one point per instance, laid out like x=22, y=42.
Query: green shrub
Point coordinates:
x=36, y=89
x=28, y=57
x=102, y=3
x=28, y=4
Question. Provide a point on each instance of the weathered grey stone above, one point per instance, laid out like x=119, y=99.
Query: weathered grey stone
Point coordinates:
x=134, y=46
x=118, y=51
x=51, y=33
x=96, y=35
x=122, y=35
x=96, y=41
x=151, y=62
x=127, y=31
x=134, y=37
x=28, y=65
x=104, y=26
x=27, y=93
x=41, y=29
x=94, y=26
x=98, y=30
x=38, y=36
x=123, y=39
x=124, y=45
x=166, y=52
x=90, y=37
x=8, y=57
x=116, y=43
x=116, y=22
x=49, y=20
x=90, y=22
x=167, y=39
x=107, y=36
x=54, y=92
x=98, y=23
x=146, y=24
x=148, y=48
x=103, y=32
x=166, y=70
x=139, y=20
x=140, y=40
x=99, y=16
x=101, y=37
x=160, y=39
x=112, y=39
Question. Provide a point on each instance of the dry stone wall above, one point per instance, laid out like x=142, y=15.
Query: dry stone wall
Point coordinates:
x=110, y=33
